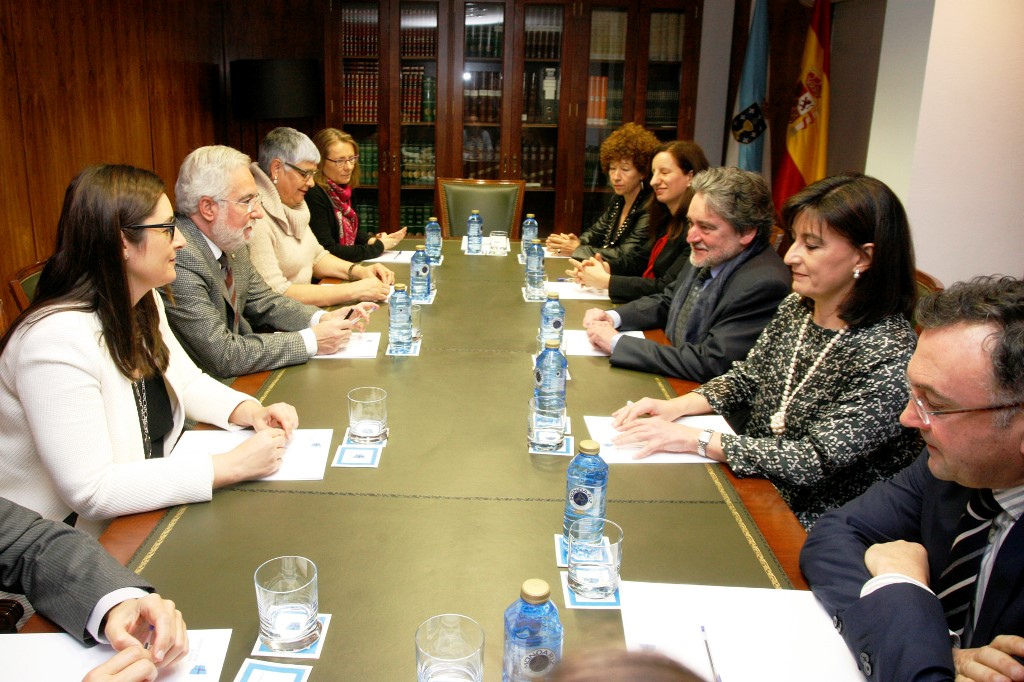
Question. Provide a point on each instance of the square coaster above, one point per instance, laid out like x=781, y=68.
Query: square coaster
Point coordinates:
x=259, y=671
x=346, y=440
x=358, y=456
x=574, y=601
x=568, y=449
x=414, y=349
x=312, y=651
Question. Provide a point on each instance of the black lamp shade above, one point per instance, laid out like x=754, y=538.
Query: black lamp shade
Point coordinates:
x=276, y=88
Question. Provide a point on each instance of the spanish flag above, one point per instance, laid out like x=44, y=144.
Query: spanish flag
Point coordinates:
x=807, y=133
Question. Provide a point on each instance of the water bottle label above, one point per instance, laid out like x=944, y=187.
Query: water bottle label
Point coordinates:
x=582, y=499
x=422, y=270
x=538, y=663
x=558, y=376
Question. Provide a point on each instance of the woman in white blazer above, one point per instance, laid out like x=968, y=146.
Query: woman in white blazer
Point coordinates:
x=94, y=387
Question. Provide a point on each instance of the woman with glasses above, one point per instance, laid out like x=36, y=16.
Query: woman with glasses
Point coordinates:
x=825, y=383
x=94, y=387
x=283, y=248
x=332, y=216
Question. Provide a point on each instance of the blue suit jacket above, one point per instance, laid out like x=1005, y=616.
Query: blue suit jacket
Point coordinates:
x=899, y=631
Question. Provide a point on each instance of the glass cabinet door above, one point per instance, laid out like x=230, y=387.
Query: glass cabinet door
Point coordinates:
x=360, y=103
x=606, y=85
x=482, y=87
x=665, y=72
x=417, y=107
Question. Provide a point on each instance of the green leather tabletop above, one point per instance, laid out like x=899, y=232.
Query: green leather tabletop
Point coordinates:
x=459, y=513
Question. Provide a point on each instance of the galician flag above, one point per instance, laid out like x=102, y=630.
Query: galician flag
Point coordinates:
x=748, y=148
x=807, y=134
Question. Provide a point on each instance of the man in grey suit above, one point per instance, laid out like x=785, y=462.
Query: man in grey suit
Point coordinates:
x=221, y=310
x=721, y=300
x=68, y=578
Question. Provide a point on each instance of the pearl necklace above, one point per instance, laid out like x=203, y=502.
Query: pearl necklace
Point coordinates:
x=139, y=390
x=778, y=420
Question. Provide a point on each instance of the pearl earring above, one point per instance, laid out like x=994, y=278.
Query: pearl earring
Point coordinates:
x=126, y=255
x=275, y=179
x=856, y=273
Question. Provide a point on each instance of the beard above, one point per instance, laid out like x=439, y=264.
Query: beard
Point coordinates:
x=226, y=237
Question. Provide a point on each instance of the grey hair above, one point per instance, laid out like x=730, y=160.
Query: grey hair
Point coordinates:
x=994, y=300
x=206, y=172
x=289, y=145
x=740, y=198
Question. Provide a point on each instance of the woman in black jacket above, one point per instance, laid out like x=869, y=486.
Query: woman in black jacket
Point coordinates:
x=331, y=215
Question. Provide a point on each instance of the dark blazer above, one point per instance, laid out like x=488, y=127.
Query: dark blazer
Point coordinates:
x=745, y=307
x=629, y=253
x=899, y=632
x=675, y=255
x=324, y=224
x=62, y=571
x=199, y=313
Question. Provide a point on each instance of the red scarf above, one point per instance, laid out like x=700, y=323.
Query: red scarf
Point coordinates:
x=348, y=221
x=655, y=252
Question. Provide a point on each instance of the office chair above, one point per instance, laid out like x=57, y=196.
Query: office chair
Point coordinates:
x=23, y=286
x=500, y=202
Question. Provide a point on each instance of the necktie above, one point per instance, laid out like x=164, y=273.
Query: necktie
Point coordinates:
x=679, y=333
x=229, y=285
x=958, y=582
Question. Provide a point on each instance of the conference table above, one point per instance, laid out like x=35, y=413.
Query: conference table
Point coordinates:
x=458, y=513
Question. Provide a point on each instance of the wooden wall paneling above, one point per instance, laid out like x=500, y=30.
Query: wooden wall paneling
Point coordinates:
x=273, y=29
x=87, y=101
x=185, y=78
x=15, y=204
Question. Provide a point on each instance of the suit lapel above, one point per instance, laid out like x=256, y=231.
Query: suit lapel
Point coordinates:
x=1005, y=581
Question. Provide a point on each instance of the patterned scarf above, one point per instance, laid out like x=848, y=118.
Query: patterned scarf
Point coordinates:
x=341, y=197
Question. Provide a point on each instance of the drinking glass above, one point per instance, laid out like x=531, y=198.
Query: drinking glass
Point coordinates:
x=368, y=414
x=449, y=648
x=595, y=557
x=498, y=244
x=286, y=598
x=417, y=316
x=545, y=428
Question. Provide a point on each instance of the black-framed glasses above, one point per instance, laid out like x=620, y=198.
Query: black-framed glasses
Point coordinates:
x=306, y=174
x=926, y=415
x=350, y=161
x=250, y=203
x=167, y=228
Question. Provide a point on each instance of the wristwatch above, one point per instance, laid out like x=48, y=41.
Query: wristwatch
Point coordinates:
x=702, y=442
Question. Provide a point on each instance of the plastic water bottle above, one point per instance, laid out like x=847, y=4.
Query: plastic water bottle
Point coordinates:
x=528, y=232
x=400, y=319
x=535, y=275
x=419, y=275
x=586, y=487
x=432, y=230
x=549, y=377
x=533, y=634
x=474, y=232
x=552, y=318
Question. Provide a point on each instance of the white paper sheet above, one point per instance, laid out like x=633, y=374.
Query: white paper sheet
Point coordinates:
x=305, y=456
x=601, y=430
x=574, y=291
x=57, y=656
x=360, y=345
x=753, y=634
x=575, y=342
x=392, y=257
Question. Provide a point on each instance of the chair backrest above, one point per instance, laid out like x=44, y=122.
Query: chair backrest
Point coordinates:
x=23, y=286
x=926, y=284
x=500, y=202
x=779, y=240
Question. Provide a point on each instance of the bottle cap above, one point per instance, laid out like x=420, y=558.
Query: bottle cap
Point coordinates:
x=475, y=211
x=399, y=287
x=590, y=447
x=535, y=591
x=552, y=343
x=553, y=294
x=420, y=247
x=432, y=219
x=535, y=241
x=529, y=215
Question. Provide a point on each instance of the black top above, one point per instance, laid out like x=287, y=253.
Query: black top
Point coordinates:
x=667, y=265
x=324, y=223
x=160, y=414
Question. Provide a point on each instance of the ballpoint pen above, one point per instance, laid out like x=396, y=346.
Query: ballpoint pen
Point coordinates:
x=707, y=648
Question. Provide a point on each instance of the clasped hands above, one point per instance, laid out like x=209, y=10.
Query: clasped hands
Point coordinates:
x=991, y=663
x=594, y=272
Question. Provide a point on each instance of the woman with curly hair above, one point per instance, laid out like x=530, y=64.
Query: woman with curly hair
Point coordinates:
x=620, y=235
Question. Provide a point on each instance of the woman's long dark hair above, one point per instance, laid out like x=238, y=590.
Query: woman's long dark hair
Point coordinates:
x=689, y=157
x=87, y=272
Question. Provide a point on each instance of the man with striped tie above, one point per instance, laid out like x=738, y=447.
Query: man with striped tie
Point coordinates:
x=924, y=574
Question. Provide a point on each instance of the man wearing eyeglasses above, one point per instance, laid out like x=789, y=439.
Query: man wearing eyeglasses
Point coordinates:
x=923, y=575
x=221, y=309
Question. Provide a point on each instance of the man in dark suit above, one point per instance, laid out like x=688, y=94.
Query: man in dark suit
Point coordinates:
x=921, y=581
x=721, y=300
x=68, y=578
x=217, y=202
